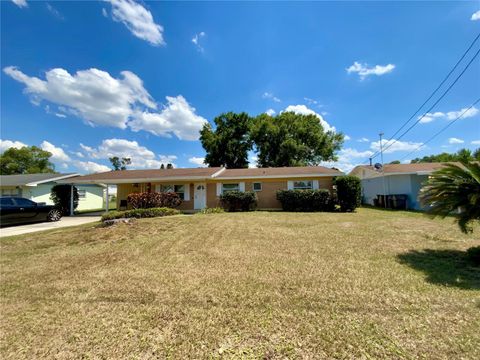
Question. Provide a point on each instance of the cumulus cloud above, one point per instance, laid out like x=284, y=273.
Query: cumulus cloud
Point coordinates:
x=348, y=158
x=100, y=99
x=176, y=117
x=363, y=70
x=20, y=3
x=453, y=140
x=7, y=144
x=58, y=154
x=199, y=161
x=270, y=96
x=91, y=166
x=302, y=109
x=197, y=39
x=394, y=147
x=475, y=16
x=140, y=156
x=270, y=112
x=363, y=139
x=451, y=115
x=475, y=142
x=346, y=137
x=138, y=20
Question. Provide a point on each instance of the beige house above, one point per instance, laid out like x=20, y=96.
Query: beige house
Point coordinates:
x=202, y=187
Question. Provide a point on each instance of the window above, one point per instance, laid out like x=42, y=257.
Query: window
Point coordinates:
x=82, y=194
x=24, y=202
x=257, y=186
x=302, y=185
x=6, y=201
x=180, y=190
x=230, y=187
x=166, y=188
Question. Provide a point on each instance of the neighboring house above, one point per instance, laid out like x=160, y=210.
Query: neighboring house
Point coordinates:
x=400, y=179
x=37, y=187
x=202, y=187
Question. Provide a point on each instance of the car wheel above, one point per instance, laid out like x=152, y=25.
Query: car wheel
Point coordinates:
x=54, y=215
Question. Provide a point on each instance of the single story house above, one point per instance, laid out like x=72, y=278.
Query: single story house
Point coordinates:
x=400, y=179
x=202, y=187
x=38, y=187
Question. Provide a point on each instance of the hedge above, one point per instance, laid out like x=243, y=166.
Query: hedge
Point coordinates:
x=305, y=200
x=146, y=200
x=349, y=192
x=239, y=200
x=140, y=213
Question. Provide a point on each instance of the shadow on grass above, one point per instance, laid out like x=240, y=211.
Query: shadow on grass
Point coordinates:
x=444, y=267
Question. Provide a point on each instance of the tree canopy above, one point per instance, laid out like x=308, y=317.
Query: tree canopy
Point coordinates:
x=291, y=139
x=27, y=160
x=120, y=164
x=229, y=143
x=462, y=155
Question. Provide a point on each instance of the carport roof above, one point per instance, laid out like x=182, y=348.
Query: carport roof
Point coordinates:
x=32, y=179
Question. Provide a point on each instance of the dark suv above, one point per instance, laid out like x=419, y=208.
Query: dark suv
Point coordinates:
x=17, y=210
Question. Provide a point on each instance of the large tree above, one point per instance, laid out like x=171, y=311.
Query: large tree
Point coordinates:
x=120, y=164
x=27, y=160
x=228, y=144
x=291, y=139
x=454, y=190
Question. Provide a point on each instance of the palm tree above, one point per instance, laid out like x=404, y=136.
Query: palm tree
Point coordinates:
x=454, y=190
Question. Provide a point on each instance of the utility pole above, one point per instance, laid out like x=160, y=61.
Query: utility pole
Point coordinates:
x=383, y=172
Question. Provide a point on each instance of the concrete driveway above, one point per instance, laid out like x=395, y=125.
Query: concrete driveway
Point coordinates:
x=64, y=222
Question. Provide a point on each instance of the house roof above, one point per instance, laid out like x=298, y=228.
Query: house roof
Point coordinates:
x=129, y=176
x=137, y=176
x=32, y=179
x=278, y=172
x=418, y=168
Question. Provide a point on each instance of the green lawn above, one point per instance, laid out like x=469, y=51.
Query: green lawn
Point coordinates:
x=372, y=284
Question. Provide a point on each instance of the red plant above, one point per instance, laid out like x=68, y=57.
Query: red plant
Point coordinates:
x=147, y=200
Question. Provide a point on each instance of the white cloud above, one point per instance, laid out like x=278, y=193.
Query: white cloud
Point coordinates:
x=475, y=16
x=7, y=144
x=54, y=12
x=346, y=137
x=138, y=20
x=100, y=99
x=451, y=115
x=91, y=167
x=302, y=109
x=453, y=140
x=104, y=12
x=58, y=154
x=363, y=70
x=20, y=3
x=252, y=160
x=140, y=156
x=177, y=117
x=270, y=96
x=394, y=147
x=475, y=142
x=196, y=41
x=363, y=139
x=270, y=112
x=348, y=158
x=199, y=161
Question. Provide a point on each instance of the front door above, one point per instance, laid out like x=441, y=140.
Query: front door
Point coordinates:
x=200, y=196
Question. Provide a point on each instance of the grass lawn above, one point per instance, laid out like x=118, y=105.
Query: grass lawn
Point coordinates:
x=372, y=284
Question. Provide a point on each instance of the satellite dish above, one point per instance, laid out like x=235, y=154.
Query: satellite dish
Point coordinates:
x=377, y=166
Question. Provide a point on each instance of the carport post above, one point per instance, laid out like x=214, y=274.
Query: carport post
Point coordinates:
x=106, y=200
x=71, y=199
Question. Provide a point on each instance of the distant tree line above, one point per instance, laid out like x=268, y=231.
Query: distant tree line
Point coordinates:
x=462, y=155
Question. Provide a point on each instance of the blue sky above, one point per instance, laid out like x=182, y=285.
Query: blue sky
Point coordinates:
x=89, y=80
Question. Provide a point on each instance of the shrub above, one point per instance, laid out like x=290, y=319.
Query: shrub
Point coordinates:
x=473, y=255
x=239, y=201
x=305, y=200
x=349, y=192
x=148, y=200
x=214, y=210
x=140, y=213
x=61, y=194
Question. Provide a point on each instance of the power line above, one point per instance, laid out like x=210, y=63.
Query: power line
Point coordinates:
x=434, y=92
x=436, y=102
x=441, y=130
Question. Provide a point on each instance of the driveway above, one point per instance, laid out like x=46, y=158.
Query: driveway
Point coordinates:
x=64, y=222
